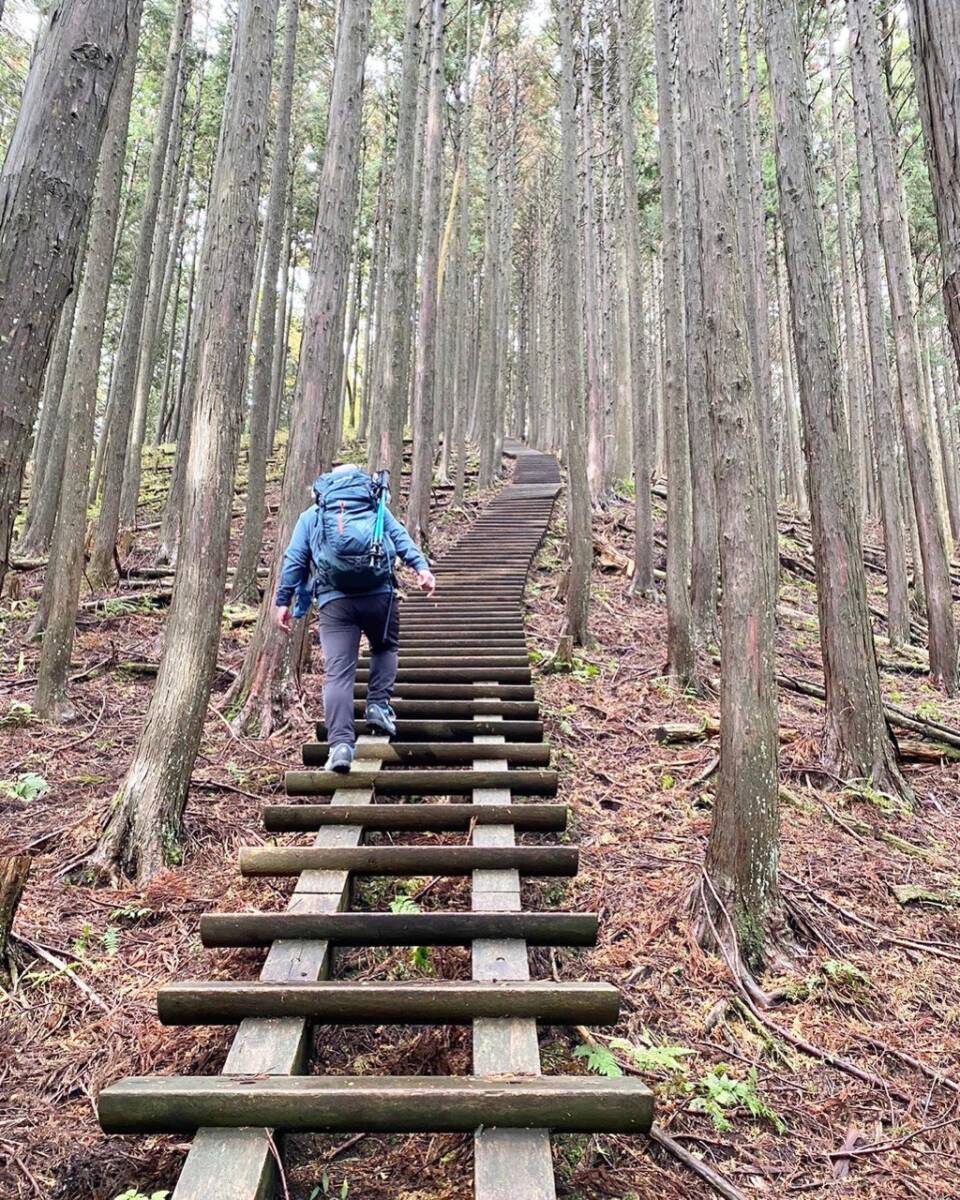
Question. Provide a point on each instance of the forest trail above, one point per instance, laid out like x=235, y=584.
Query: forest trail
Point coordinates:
x=487, y=722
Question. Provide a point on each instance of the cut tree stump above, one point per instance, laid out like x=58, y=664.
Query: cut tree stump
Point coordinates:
x=14, y=870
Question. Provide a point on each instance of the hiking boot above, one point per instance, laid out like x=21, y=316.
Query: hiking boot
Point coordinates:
x=382, y=719
x=339, y=758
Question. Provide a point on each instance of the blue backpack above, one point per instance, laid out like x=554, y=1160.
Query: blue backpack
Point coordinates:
x=350, y=549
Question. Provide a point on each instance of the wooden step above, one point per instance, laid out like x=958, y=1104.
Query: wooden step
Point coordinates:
x=512, y=621
x=422, y=783
x=398, y=929
x=378, y=1103
x=411, y=728
x=436, y=818
x=425, y=754
x=452, y=661
x=517, y=710
x=459, y=639
x=454, y=691
x=456, y=674
x=432, y=1002
x=444, y=653
x=409, y=860
x=464, y=628
x=441, y=646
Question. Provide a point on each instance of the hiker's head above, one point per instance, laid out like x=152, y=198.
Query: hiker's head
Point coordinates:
x=343, y=468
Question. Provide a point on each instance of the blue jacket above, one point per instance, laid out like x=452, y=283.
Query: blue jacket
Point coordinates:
x=296, y=576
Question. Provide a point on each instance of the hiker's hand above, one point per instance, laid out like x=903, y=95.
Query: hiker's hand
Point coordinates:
x=427, y=582
x=284, y=618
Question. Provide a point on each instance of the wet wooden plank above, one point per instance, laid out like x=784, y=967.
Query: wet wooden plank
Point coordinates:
x=238, y=1164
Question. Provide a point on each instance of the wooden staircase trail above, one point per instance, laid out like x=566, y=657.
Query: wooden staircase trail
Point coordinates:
x=468, y=729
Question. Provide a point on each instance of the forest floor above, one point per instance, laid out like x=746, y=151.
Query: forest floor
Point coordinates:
x=872, y=887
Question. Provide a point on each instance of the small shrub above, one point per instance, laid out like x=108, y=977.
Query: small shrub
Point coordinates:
x=28, y=787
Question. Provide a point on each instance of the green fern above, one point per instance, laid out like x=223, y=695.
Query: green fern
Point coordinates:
x=599, y=1059
x=654, y=1058
x=720, y=1094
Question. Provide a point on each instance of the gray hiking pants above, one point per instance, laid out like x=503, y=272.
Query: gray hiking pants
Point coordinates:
x=342, y=621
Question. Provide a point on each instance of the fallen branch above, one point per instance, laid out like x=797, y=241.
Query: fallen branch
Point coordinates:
x=723, y=1187
x=65, y=969
x=933, y=730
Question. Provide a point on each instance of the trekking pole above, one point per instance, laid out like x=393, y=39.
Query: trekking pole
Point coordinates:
x=382, y=483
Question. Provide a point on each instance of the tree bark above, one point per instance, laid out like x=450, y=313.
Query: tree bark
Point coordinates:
x=743, y=849
x=386, y=431
x=681, y=659
x=852, y=364
x=886, y=418
x=14, y=871
x=935, y=47
x=418, y=509
x=154, y=307
x=61, y=585
x=258, y=452
x=856, y=742
x=142, y=833
x=642, y=461
x=102, y=567
x=51, y=449
x=591, y=272
x=704, y=558
x=936, y=578
x=262, y=691
x=46, y=184
x=756, y=311
x=579, y=529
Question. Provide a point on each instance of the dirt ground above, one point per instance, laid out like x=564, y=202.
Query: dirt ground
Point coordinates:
x=848, y=1086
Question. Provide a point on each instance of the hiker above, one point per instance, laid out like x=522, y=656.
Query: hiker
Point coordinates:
x=341, y=556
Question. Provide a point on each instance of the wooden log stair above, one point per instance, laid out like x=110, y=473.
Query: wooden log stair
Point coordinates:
x=468, y=728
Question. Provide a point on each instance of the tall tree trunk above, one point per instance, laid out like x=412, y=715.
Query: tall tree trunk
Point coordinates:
x=51, y=446
x=418, y=510
x=856, y=742
x=164, y=237
x=463, y=281
x=743, y=849
x=854, y=368
x=189, y=367
x=102, y=568
x=936, y=577
x=756, y=313
x=579, y=528
x=935, y=47
x=642, y=458
x=681, y=660
x=245, y=578
x=41, y=225
x=486, y=374
x=173, y=268
x=262, y=691
x=142, y=834
x=886, y=418
x=61, y=587
x=591, y=271
x=704, y=559
x=386, y=432
x=281, y=332
x=796, y=489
